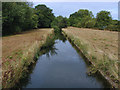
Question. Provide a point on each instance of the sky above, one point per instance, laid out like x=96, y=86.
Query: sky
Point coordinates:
x=61, y=0
x=67, y=8
x=74, y=0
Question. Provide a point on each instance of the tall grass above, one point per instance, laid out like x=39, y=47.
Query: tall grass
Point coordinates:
x=17, y=68
x=13, y=70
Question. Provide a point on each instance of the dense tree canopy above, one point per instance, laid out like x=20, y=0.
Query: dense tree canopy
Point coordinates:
x=82, y=18
x=103, y=19
x=17, y=17
x=45, y=16
x=114, y=26
x=59, y=23
x=21, y=16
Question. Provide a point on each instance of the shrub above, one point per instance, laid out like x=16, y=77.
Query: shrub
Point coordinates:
x=57, y=29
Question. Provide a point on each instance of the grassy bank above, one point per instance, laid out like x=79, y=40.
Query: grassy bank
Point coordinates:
x=19, y=52
x=100, y=47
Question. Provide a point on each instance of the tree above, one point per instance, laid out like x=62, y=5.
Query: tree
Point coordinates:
x=21, y=16
x=45, y=16
x=17, y=17
x=114, y=26
x=103, y=19
x=89, y=22
x=59, y=23
x=12, y=17
x=82, y=18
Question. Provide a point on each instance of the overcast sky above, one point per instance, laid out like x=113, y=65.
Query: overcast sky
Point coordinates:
x=67, y=8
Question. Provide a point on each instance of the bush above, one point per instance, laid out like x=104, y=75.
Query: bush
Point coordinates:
x=112, y=28
x=79, y=25
x=20, y=16
x=90, y=23
x=103, y=19
x=59, y=23
x=80, y=17
x=57, y=29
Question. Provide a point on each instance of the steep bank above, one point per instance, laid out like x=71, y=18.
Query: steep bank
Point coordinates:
x=100, y=47
x=19, y=52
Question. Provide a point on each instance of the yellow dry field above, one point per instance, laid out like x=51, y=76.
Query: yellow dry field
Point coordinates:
x=18, y=52
x=100, y=45
x=22, y=42
x=102, y=41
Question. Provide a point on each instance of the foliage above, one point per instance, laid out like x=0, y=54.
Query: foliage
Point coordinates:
x=90, y=22
x=45, y=16
x=85, y=19
x=59, y=23
x=20, y=16
x=82, y=18
x=103, y=19
x=17, y=17
x=114, y=26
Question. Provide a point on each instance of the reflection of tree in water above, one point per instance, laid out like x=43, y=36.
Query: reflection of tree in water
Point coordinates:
x=49, y=49
x=60, y=36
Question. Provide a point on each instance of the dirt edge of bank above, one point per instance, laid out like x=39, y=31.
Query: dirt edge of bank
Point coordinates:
x=12, y=76
x=108, y=79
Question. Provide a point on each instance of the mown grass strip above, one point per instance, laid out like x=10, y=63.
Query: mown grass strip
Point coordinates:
x=102, y=66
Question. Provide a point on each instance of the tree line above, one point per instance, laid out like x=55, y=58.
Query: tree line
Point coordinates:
x=21, y=16
x=85, y=19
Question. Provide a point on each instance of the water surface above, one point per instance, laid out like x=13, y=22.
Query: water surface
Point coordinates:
x=62, y=67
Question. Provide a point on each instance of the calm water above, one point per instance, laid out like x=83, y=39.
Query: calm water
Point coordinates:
x=62, y=67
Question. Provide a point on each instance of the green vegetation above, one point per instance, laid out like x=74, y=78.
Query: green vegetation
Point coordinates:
x=82, y=18
x=45, y=16
x=17, y=65
x=103, y=19
x=113, y=26
x=59, y=23
x=20, y=16
x=85, y=19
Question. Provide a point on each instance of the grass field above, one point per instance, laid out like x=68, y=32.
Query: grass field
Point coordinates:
x=101, y=47
x=18, y=52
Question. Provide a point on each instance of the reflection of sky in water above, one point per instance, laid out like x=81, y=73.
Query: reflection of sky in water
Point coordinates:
x=66, y=8
x=66, y=69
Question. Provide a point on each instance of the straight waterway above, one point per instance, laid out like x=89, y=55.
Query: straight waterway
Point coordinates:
x=62, y=66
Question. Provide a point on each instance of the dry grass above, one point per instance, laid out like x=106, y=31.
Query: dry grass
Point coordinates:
x=18, y=52
x=101, y=47
x=22, y=42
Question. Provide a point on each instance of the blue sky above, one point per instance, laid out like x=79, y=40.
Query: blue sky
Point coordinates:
x=67, y=8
